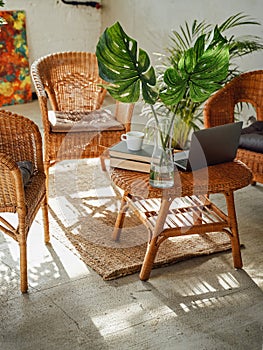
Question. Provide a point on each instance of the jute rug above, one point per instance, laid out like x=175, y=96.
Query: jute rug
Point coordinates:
x=83, y=209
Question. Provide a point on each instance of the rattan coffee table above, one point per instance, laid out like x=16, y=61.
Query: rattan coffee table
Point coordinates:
x=184, y=209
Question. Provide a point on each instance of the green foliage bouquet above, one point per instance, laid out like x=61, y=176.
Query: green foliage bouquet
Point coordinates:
x=199, y=65
x=189, y=109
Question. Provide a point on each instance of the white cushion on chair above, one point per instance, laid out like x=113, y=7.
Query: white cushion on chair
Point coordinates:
x=76, y=121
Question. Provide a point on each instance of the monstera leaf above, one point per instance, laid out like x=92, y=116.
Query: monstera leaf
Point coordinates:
x=125, y=66
x=199, y=72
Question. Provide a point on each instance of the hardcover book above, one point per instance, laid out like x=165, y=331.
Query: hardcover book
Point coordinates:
x=122, y=157
x=120, y=150
x=130, y=164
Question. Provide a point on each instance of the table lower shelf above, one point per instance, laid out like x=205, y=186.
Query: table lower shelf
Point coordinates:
x=183, y=209
x=167, y=217
x=186, y=215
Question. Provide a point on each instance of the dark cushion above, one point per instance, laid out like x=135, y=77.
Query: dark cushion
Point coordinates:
x=252, y=137
x=27, y=169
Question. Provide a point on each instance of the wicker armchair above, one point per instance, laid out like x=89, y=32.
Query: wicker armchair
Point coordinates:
x=22, y=191
x=219, y=109
x=69, y=84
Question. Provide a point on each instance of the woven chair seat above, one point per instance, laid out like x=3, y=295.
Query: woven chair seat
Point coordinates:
x=75, y=121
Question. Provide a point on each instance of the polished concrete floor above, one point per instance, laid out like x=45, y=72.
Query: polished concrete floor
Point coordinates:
x=200, y=304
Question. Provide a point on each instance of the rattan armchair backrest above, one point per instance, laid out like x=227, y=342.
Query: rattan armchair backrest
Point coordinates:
x=71, y=80
x=247, y=87
x=20, y=141
x=220, y=109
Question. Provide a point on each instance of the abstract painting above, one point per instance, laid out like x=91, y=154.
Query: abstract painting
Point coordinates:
x=15, y=83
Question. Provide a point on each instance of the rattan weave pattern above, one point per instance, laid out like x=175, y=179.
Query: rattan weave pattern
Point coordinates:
x=198, y=215
x=69, y=81
x=214, y=179
x=20, y=140
x=219, y=109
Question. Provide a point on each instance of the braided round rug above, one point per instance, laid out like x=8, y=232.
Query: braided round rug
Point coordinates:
x=83, y=209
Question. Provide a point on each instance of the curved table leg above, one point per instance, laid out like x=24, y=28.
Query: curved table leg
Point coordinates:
x=120, y=218
x=236, y=253
x=153, y=244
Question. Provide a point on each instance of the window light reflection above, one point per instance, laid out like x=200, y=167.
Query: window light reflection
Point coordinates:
x=122, y=318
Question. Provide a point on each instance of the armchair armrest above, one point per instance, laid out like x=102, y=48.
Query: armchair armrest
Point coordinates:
x=42, y=96
x=40, y=90
x=11, y=185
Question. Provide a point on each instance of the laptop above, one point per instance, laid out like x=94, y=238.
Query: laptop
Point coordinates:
x=209, y=147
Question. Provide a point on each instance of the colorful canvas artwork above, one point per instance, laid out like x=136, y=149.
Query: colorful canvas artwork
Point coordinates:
x=15, y=83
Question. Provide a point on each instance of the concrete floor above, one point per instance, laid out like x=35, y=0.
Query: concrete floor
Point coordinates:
x=202, y=303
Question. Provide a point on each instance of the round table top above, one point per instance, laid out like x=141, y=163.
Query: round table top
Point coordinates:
x=220, y=178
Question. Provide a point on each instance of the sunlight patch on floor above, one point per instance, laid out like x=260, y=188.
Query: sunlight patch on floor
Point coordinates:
x=228, y=281
x=123, y=318
x=45, y=262
x=65, y=211
x=71, y=263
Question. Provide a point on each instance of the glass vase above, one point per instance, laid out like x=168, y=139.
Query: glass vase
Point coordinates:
x=162, y=165
x=181, y=131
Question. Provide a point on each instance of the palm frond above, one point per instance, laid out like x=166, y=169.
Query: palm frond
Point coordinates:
x=200, y=28
x=179, y=42
x=239, y=19
x=238, y=46
x=183, y=39
x=186, y=37
x=243, y=46
x=186, y=33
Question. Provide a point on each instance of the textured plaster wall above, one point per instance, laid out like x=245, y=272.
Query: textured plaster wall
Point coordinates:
x=151, y=21
x=53, y=26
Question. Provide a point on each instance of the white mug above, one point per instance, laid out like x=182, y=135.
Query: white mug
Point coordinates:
x=134, y=140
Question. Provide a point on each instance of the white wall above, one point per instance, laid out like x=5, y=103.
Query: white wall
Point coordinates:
x=151, y=21
x=53, y=26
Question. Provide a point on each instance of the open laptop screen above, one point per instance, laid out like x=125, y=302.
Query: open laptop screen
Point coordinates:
x=212, y=146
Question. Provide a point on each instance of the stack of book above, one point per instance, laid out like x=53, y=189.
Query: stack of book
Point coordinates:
x=121, y=157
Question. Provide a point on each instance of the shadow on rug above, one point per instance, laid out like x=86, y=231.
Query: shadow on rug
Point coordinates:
x=83, y=209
